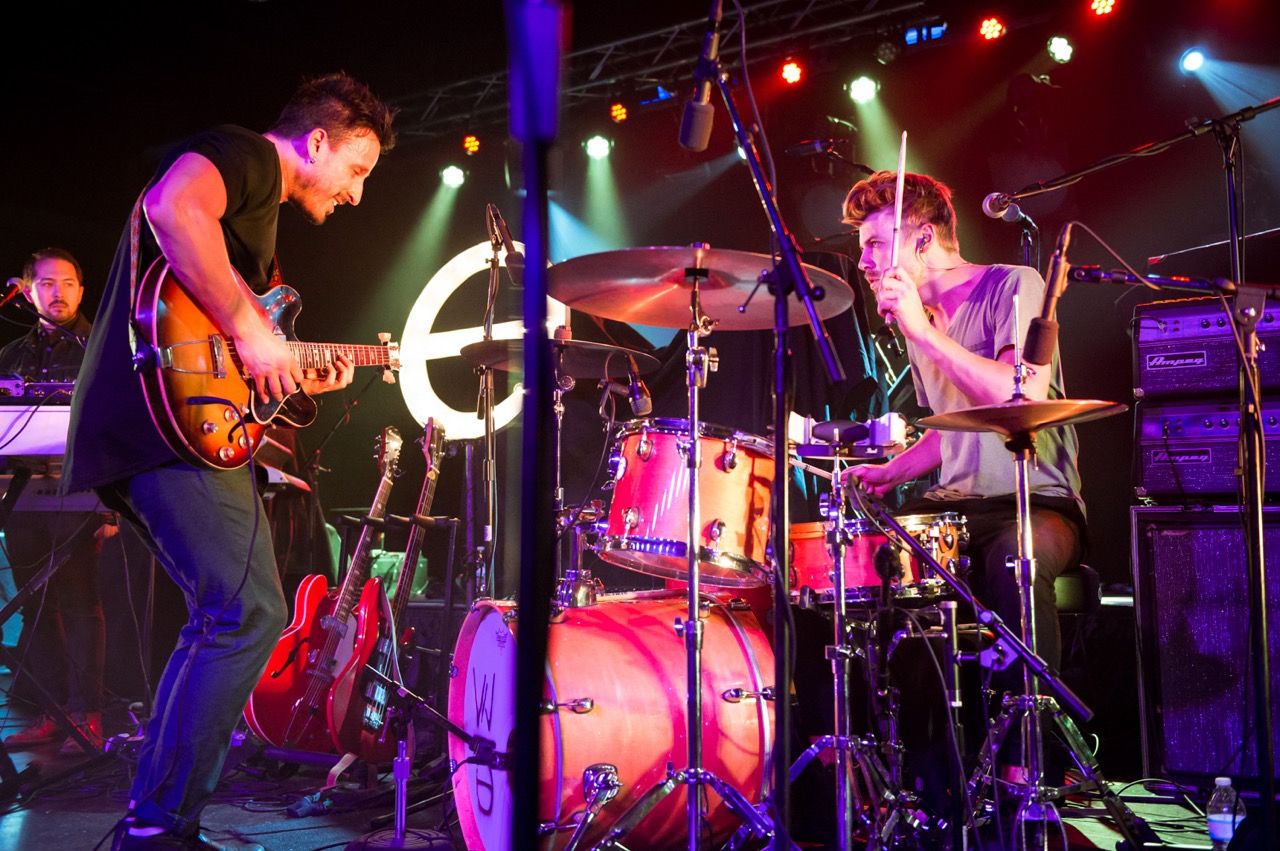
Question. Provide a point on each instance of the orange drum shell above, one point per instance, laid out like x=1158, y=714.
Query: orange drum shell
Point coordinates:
x=653, y=491
x=624, y=655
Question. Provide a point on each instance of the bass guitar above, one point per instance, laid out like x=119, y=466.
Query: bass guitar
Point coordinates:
x=200, y=398
x=358, y=701
x=289, y=706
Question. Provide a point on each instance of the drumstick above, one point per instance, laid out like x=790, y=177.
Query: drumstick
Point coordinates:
x=897, y=200
x=809, y=468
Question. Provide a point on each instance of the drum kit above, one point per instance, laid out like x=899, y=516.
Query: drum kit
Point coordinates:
x=658, y=723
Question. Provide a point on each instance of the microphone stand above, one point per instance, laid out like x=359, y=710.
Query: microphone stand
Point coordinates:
x=1247, y=309
x=788, y=276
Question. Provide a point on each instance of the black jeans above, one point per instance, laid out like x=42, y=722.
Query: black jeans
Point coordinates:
x=208, y=529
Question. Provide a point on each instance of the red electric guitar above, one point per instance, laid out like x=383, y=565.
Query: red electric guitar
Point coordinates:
x=197, y=390
x=358, y=702
x=289, y=706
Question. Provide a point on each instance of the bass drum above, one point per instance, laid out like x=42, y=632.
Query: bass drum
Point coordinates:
x=614, y=702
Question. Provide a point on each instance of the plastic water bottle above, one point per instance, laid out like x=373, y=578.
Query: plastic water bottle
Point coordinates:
x=1223, y=813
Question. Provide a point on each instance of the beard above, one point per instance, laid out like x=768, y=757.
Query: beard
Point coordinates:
x=304, y=199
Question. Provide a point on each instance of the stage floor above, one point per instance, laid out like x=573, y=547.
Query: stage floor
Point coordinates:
x=75, y=802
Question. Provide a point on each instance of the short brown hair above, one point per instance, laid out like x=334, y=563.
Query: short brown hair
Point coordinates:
x=51, y=253
x=924, y=201
x=341, y=106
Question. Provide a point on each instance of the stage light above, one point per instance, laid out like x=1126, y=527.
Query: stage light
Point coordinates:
x=887, y=52
x=1191, y=61
x=863, y=90
x=471, y=144
x=992, y=28
x=1102, y=7
x=791, y=72
x=1060, y=49
x=919, y=35
x=618, y=112
x=656, y=94
x=742, y=154
x=597, y=147
x=452, y=176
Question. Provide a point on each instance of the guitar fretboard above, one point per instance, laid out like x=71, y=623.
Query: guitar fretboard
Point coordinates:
x=317, y=355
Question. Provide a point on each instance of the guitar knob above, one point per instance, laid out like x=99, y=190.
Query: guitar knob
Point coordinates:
x=228, y=414
x=226, y=453
x=209, y=427
x=244, y=442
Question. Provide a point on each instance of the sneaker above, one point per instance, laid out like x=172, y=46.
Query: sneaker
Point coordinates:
x=43, y=731
x=90, y=725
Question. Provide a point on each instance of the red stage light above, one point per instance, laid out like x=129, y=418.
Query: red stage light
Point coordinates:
x=992, y=28
x=791, y=72
x=618, y=112
x=1102, y=7
x=471, y=144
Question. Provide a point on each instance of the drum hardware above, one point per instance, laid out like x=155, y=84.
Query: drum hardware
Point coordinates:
x=1017, y=421
x=737, y=695
x=579, y=706
x=600, y=785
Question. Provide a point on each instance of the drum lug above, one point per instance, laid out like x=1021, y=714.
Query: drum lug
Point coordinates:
x=453, y=672
x=617, y=469
x=644, y=449
x=715, y=529
x=511, y=615
x=729, y=458
x=737, y=695
x=578, y=706
x=631, y=517
x=600, y=783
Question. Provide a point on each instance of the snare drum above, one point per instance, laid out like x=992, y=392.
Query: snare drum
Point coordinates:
x=649, y=512
x=811, y=564
x=614, y=705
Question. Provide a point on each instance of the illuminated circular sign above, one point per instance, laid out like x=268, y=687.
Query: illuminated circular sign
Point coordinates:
x=420, y=344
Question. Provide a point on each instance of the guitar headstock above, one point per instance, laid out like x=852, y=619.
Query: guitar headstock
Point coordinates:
x=432, y=442
x=388, y=455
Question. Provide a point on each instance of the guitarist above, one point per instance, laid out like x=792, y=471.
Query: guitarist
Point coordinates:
x=212, y=208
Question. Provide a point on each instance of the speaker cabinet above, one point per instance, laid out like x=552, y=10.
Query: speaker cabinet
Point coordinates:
x=1191, y=593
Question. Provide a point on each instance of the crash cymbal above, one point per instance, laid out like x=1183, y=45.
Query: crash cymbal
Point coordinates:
x=575, y=358
x=1009, y=418
x=648, y=286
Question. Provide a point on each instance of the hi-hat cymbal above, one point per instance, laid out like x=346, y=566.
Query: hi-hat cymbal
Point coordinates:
x=575, y=358
x=649, y=286
x=1009, y=418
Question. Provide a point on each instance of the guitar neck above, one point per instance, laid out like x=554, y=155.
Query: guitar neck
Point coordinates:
x=318, y=355
x=362, y=558
x=434, y=448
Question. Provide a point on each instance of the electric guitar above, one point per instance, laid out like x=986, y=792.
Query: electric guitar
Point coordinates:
x=358, y=701
x=288, y=707
x=200, y=397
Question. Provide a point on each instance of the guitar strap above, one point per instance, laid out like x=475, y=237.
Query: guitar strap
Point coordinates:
x=135, y=238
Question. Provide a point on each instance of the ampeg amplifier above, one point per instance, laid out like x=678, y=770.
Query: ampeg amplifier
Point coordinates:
x=1191, y=448
x=1185, y=347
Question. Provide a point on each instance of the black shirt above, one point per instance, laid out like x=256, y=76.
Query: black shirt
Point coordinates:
x=112, y=435
x=47, y=354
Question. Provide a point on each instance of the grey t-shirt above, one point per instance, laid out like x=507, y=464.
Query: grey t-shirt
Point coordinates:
x=977, y=464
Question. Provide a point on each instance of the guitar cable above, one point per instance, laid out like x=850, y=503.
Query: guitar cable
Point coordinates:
x=120, y=828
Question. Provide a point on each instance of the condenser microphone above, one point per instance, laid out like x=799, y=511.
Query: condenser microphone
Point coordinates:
x=997, y=204
x=499, y=234
x=638, y=393
x=695, y=125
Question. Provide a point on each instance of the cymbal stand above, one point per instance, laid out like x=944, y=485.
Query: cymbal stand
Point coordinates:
x=887, y=807
x=699, y=361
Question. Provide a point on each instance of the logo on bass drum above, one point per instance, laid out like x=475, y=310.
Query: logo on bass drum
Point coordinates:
x=1177, y=360
x=1182, y=456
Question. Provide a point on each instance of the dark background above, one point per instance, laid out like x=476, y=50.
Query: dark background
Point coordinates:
x=92, y=101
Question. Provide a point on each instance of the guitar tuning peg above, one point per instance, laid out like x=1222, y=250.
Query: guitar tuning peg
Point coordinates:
x=384, y=337
x=388, y=376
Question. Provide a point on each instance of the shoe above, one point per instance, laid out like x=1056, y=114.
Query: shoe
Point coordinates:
x=90, y=726
x=173, y=842
x=43, y=731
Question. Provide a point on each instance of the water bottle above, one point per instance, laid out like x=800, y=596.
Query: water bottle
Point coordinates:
x=1222, y=811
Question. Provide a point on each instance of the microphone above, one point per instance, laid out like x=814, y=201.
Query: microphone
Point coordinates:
x=638, y=393
x=810, y=147
x=997, y=206
x=1042, y=336
x=889, y=339
x=15, y=287
x=500, y=235
x=695, y=125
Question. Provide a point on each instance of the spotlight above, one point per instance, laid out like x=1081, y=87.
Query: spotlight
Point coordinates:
x=471, y=144
x=918, y=35
x=992, y=28
x=618, y=112
x=1060, y=49
x=887, y=52
x=791, y=72
x=1192, y=61
x=742, y=154
x=863, y=89
x=1102, y=7
x=452, y=176
x=598, y=147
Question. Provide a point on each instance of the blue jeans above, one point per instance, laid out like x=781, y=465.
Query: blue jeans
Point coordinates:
x=208, y=529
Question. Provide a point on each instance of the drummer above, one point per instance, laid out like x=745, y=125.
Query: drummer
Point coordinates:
x=958, y=321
